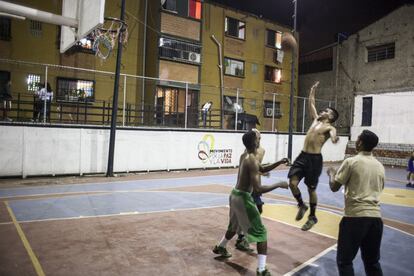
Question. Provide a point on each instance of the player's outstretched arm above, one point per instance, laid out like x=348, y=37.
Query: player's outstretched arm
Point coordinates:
x=267, y=168
x=312, y=104
x=255, y=180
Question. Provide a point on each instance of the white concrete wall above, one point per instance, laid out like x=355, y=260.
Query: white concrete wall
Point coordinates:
x=392, y=117
x=28, y=151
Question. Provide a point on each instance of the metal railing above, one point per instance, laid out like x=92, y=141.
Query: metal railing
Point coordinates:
x=148, y=102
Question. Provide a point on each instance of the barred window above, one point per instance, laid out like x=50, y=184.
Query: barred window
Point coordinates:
x=385, y=51
x=179, y=50
x=75, y=89
x=33, y=82
x=36, y=28
x=5, y=28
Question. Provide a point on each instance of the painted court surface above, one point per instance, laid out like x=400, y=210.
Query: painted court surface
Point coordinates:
x=167, y=224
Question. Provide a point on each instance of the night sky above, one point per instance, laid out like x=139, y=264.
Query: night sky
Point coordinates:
x=319, y=20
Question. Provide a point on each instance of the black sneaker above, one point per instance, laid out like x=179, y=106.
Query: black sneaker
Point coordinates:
x=312, y=220
x=409, y=185
x=301, y=212
x=221, y=251
x=243, y=245
x=263, y=273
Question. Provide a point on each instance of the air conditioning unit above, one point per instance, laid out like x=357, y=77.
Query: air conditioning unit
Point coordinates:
x=194, y=57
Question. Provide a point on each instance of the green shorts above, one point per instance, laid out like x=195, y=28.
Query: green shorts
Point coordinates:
x=245, y=216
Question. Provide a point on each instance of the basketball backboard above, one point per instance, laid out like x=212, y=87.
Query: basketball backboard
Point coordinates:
x=88, y=13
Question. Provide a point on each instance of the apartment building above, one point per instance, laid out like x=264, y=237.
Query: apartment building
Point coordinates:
x=170, y=43
x=254, y=65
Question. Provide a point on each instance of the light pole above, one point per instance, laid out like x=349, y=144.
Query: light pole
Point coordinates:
x=110, y=168
x=292, y=85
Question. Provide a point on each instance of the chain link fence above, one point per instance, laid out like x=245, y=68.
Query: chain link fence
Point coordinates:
x=84, y=96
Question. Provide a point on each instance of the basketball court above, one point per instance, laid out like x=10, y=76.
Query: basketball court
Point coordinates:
x=167, y=223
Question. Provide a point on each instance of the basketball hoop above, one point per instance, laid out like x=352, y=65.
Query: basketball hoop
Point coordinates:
x=105, y=37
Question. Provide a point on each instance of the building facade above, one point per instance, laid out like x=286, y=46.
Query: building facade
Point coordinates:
x=254, y=66
x=170, y=43
x=371, y=79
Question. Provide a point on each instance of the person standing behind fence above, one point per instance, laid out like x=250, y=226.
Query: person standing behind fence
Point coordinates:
x=5, y=99
x=410, y=169
x=361, y=227
x=44, y=95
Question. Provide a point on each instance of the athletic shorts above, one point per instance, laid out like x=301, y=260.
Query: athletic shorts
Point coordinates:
x=308, y=166
x=257, y=198
x=244, y=216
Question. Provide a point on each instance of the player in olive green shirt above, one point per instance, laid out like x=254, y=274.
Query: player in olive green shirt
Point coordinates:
x=361, y=227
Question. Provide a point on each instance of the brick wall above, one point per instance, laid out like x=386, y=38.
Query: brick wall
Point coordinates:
x=387, y=154
x=180, y=26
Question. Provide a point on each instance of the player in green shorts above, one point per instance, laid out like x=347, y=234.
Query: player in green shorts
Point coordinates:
x=244, y=214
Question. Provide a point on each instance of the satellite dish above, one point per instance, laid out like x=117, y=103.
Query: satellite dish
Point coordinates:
x=228, y=100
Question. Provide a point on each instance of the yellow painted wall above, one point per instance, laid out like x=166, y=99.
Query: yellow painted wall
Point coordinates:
x=252, y=51
x=44, y=49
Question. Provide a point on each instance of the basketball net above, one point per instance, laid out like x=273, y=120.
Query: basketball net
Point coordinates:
x=105, y=38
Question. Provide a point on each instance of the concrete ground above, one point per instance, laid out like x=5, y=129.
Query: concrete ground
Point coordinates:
x=167, y=223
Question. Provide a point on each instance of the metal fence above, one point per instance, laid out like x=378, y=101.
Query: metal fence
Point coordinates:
x=84, y=96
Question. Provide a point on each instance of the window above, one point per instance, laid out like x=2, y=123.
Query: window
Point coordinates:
x=75, y=89
x=170, y=106
x=366, y=111
x=33, y=82
x=179, y=50
x=278, y=56
x=36, y=28
x=376, y=53
x=274, y=39
x=190, y=8
x=195, y=9
x=268, y=109
x=230, y=104
x=235, y=28
x=5, y=28
x=233, y=67
x=273, y=74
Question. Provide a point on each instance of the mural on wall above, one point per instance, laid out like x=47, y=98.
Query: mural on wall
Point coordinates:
x=207, y=152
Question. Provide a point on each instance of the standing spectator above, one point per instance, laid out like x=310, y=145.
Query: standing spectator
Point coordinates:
x=5, y=100
x=37, y=104
x=410, y=169
x=45, y=95
x=361, y=227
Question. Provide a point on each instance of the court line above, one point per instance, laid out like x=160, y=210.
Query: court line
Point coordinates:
x=310, y=261
x=286, y=223
x=399, y=230
x=26, y=244
x=125, y=214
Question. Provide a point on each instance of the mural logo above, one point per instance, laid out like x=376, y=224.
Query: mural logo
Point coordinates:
x=208, y=154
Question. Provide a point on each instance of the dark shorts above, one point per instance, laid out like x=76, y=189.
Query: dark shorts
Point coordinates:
x=308, y=166
x=257, y=199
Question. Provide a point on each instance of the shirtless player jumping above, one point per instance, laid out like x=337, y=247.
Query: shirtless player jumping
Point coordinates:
x=309, y=163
